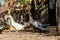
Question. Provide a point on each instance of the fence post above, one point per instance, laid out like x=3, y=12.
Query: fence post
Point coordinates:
x=9, y=11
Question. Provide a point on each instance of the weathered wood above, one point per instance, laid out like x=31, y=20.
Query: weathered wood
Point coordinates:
x=58, y=16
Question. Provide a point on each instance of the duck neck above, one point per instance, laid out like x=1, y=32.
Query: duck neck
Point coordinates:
x=30, y=17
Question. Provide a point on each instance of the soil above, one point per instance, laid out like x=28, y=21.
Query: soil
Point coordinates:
x=26, y=35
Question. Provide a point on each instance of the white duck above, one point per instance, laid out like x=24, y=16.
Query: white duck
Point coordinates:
x=16, y=25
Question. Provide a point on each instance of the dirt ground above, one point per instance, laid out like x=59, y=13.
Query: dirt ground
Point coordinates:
x=25, y=35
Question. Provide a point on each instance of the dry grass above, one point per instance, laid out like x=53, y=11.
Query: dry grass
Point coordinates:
x=24, y=35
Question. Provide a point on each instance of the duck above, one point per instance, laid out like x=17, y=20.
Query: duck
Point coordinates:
x=14, y=24
x=37, y=24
